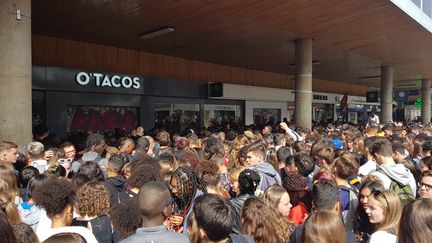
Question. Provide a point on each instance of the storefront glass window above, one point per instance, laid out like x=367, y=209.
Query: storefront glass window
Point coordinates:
x=177, y=117
x=101, y=118
x=38, y=108
x=222, y=116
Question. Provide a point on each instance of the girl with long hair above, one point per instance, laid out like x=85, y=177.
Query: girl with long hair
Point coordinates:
x=384, y=211
x=364, y=228
x=415, y=225
x=7, y=174
x=277, y=198
x=7, y=205
x=324, y=227
x=258, y=221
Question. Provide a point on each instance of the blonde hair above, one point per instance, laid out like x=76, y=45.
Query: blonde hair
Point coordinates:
x=391, y=205
x=234, y=174
x=324, y=227
x=271, y=198
x=7, y=203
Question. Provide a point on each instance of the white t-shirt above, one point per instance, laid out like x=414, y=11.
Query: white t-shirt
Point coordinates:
x=40, y=164
x=84, y=232
x=367, y=168
x=382, y=237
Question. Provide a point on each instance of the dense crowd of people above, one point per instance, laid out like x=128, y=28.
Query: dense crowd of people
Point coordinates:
x=334, y=183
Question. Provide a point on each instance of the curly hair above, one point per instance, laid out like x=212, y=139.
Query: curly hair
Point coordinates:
x=163, y=138
x=191, y=157
x=208, y=171
x=93, y=199
x=146, y=171
x=258, y=221
x=272, y=198
x=126, y=219
x=54, y=195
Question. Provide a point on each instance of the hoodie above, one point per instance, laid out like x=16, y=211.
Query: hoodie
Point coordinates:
x=268, y=175
x=397, y=172
x=30, y=214
x=115, y=185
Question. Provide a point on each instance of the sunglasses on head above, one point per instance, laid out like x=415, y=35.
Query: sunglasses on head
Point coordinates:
x=65, y=160
x=378, y=193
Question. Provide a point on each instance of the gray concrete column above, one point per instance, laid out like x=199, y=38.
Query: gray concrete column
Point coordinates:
x=15, y=71
x=426, y=100
x=303, y=83
x=386, y=93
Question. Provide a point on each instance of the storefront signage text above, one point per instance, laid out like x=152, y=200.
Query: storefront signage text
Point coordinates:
x=320, y=97
x=104, y=80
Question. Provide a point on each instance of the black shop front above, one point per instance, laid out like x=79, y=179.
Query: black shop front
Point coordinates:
x=67, y=100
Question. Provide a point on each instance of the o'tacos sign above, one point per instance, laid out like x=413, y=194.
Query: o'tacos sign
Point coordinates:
x=105, y=80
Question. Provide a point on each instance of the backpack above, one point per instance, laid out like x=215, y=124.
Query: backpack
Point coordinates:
x=349, y=203
x=404, y=192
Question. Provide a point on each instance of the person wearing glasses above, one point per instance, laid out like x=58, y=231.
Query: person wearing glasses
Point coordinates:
x=425, y=185
x=384, y=211
x=68, y=149
x=155, y=205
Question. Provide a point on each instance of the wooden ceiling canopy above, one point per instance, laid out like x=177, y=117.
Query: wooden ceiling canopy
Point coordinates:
x=351, y=38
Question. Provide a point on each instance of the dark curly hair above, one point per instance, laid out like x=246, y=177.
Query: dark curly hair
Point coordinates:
x=208, y=171
x=248, y=181
x=54, y=195
x=125, y=218
x=93, y=199
x=143, y=172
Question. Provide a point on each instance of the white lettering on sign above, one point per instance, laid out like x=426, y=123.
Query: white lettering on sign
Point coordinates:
x=104, y=80
x=82, y=78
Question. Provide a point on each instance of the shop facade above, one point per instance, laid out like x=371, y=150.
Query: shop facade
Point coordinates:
x=67, y=100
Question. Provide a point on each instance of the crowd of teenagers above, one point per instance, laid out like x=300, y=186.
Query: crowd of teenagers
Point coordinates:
x=334, y=183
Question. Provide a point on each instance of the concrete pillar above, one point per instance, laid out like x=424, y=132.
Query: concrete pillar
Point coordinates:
x=15, y=71
x=303, y=83
x=426, y=100
x=386, y=93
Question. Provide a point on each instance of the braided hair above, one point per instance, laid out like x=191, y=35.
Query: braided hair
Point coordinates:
x=188, y=183
x=295, y=185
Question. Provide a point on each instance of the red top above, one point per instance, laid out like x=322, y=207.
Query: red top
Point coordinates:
x=298, y=213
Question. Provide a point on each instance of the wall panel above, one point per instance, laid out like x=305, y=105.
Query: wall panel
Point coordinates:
x=50, y=51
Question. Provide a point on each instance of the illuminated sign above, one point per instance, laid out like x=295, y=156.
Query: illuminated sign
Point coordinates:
x=104, y=80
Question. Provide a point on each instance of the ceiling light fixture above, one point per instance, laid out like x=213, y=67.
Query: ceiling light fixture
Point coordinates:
x=157, y=32
x=370, y=77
